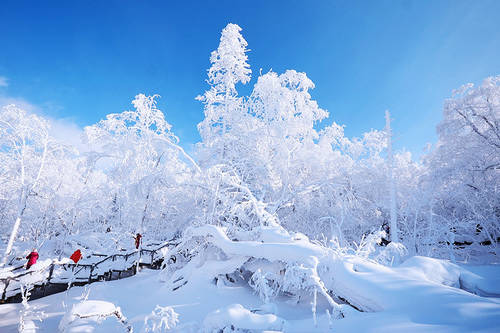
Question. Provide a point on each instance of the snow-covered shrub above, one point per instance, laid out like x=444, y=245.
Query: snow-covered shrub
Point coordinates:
x=265, y=284
x=392, y=254
x=368, y=244
x=161, y=319
x=299, y=277
x=29, y=313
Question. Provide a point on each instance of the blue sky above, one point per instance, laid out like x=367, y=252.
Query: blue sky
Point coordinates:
x=80, y=60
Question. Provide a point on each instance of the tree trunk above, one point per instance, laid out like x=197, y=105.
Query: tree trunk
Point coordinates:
x=392, y=187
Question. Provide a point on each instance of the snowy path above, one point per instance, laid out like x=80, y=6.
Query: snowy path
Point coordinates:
x=410, y=298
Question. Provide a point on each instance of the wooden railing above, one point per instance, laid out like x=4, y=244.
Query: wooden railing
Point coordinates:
x=95, y=273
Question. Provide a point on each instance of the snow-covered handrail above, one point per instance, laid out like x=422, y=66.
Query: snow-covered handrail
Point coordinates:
x=5, y=281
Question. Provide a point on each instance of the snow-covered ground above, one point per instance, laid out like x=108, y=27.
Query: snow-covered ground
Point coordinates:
x=420, y=295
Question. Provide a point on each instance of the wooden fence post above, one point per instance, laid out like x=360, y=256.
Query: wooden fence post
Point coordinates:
x=90, y=275
x=5, y=289
x=138, y=261
x=50, y=272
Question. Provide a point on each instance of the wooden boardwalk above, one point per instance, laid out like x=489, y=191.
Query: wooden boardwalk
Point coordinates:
x=57, y=276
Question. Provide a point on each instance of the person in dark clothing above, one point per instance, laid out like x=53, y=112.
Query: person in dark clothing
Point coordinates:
x=32, y=258
x=137, y=240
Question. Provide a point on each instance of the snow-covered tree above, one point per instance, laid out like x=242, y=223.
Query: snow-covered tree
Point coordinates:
x=465, y=166
x=143, y=161
x=223, y=107
x=263, y=165
x=27, y=152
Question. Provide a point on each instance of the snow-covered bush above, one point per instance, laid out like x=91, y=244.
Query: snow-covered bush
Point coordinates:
x=265, y=284
x=161, y=319
x=29, y=313
x=392, y=254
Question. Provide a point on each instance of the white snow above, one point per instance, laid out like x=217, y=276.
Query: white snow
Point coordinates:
x=84, y=316
x=421, y=295
x=235, y=315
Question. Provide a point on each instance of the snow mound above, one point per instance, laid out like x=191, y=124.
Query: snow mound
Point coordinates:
x=426, y=290
x=236, y=317
x=84, y=315
x=298, y=258
x=479, y=280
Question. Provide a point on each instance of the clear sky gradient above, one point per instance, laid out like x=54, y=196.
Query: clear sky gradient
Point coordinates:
x=81, y=60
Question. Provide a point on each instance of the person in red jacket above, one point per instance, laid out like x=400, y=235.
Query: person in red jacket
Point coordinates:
x=32, y=258
x=76, y=256
x=137, y=240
